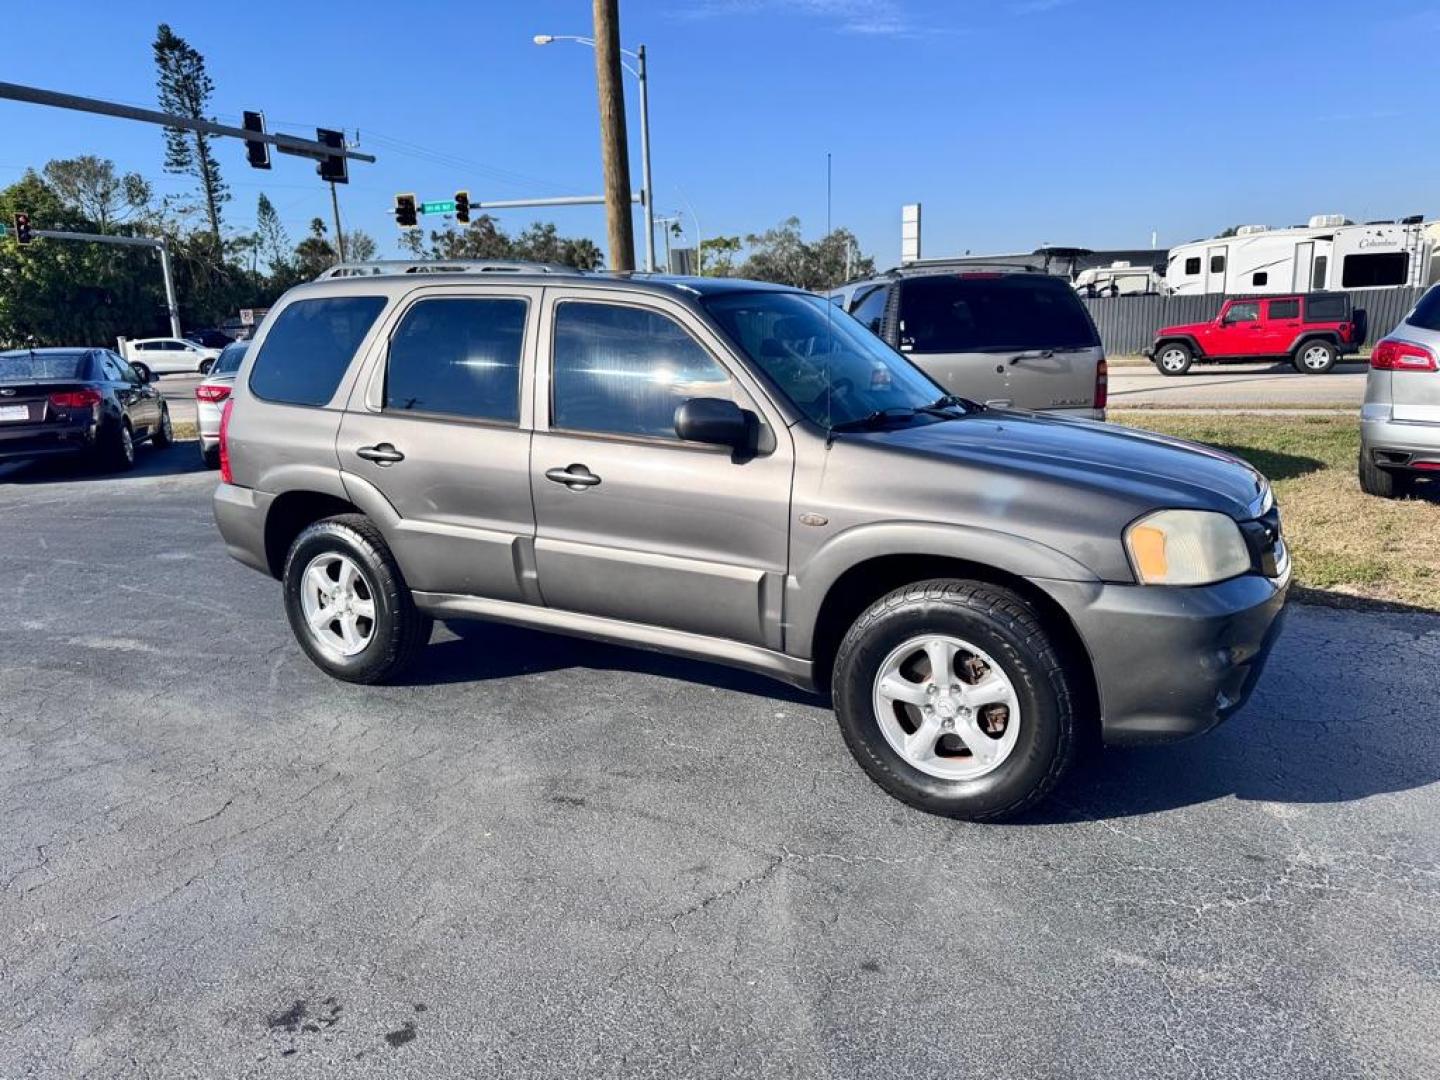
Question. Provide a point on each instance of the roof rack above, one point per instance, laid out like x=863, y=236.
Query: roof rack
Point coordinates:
x=441, y=266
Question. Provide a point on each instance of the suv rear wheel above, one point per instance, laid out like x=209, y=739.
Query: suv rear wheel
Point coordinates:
x=1315, y=357
x=1173, y=358
x=1385, y=483
x=952, y=697
x=347, y=603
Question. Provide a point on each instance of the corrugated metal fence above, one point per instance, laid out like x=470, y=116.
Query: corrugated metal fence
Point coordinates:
x=1128, y=323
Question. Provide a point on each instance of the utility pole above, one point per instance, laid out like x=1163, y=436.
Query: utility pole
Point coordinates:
x=339, y=236
x=614, y=149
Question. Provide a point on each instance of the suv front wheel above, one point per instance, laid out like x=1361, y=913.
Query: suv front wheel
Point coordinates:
x=1173, y=358
x=953, y=698
x=348, y=604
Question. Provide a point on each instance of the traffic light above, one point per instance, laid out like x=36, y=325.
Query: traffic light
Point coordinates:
x=23, y=235
x=257, y=153
x=405, y=215
x=334, y=168
x=462, y=206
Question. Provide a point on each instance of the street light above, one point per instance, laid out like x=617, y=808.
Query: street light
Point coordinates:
x=647, y=194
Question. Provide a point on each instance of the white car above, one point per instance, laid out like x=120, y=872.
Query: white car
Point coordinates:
x=167, y=355
x=210, y=398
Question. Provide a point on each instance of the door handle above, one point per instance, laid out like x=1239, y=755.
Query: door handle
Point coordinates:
x=383, y=454
x=575, y=477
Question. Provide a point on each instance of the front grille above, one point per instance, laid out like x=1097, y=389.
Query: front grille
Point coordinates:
x=1267, y=546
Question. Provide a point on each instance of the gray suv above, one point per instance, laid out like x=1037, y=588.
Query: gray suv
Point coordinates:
x=742, y=473
x=1007, y=336
x=1400, y=420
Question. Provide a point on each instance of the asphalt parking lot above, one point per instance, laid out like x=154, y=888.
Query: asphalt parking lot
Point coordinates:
x=544, y=857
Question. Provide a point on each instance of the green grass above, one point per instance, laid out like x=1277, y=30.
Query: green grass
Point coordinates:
x=1347, y=546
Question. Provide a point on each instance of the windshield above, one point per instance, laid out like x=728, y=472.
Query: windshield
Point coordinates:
x=830, y=367
x=992, y=313
x=25, y=366
x=230, y=358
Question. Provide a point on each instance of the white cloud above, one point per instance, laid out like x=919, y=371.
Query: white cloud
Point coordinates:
x=875, y=18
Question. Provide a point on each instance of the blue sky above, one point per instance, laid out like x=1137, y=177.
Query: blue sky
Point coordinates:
x=1015, y=122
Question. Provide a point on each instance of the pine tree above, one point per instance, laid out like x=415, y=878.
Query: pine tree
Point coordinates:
x=273, y=240
x=185, y=88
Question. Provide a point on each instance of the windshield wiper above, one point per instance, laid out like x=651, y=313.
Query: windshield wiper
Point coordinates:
x=876, y=419
x=940, y=406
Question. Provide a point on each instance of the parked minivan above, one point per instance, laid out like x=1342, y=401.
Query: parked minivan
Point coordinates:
x=1004, y=336
x=740, y=472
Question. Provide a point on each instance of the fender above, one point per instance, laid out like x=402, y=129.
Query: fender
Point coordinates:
x=806, y=589
x=289, y=477
x=1187, y=339
x=1328, y=336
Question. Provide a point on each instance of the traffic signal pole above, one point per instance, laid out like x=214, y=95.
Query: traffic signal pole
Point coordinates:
x=172, y=307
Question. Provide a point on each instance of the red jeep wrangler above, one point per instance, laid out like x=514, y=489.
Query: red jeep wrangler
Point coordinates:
x=1311, y=330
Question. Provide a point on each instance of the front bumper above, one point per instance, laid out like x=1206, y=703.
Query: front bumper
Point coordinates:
x=1173, y=662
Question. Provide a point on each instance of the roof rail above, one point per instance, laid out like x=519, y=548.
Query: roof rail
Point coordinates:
x=441, y=266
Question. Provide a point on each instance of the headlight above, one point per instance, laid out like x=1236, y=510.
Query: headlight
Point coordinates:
x=1186, y=547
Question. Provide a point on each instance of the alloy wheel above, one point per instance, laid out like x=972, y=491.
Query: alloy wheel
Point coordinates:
x=947, y=707
x=338, y=603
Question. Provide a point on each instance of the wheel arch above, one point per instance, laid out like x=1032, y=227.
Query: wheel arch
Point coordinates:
x=1330, y=337
x=1180, y=339
x=290, y=514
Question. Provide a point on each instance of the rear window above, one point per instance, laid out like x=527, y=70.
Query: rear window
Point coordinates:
x=229, y=362
x=24, y=367
x=960, y=314
x=310, y=346
x=459, y=357
x=1427, y=312
x=1327, y=309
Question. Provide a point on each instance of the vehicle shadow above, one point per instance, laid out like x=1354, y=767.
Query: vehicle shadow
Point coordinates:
x=479, y=651
x=1315, y=732
x=1273, y=463
x=177, y=460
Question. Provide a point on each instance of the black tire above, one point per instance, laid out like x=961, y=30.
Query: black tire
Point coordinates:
x=1314, y=357
x=205, y=366
x=400, y=630
x=1174, y=358
x=1381, y=482
x=115, y=450
x=164, y=433
x=1002, y=624
x=211, y=457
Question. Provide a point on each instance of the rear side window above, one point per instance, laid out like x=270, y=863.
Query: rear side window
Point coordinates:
x=1326, y=309
x=625, y=370
x=1375, y=271
x=1427, y=312
x=869, y=309
x=975, y=314
x=459, y=357
x=230, y=357
x=1284, y=309
x=310, y=346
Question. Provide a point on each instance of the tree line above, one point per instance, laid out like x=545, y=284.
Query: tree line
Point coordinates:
x=72, y=293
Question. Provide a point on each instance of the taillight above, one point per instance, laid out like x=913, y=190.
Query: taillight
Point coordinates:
x=214, y=393
x=1102, y=384
x=225, y=475
x=1393, y=355
x=75, y=399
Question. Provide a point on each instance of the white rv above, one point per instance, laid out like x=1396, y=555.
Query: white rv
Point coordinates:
x=1329, y=253
x=1120, y=278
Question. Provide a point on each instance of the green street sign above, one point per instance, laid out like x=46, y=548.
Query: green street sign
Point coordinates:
x=4, y=230
x=446, y=206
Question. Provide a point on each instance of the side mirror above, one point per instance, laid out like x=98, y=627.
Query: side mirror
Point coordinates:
x=714, y=421
x=141, y=372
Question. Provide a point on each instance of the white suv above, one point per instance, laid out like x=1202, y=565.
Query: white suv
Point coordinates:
x=168, y=355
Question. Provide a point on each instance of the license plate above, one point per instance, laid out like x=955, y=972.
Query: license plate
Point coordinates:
x=14, y=412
